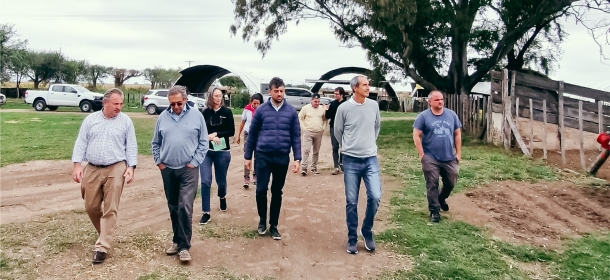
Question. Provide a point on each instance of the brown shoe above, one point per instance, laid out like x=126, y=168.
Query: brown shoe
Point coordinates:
x=98, y=257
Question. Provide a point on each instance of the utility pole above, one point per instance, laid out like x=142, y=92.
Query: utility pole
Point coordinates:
x=189, y=61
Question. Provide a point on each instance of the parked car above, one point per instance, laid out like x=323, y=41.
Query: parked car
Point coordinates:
x=155, y=101
x=2, y=99
x=64, y=95
x=299, y=97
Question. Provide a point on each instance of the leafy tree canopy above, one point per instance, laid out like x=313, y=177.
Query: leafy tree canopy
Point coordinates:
x=444, y=44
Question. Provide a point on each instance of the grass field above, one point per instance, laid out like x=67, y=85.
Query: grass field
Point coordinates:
x=452, y=249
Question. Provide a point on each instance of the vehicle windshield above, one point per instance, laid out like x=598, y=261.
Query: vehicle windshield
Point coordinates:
x=81, y=89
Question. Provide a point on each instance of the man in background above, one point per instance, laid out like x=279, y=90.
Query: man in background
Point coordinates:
x=331, y=111
x=313, y=120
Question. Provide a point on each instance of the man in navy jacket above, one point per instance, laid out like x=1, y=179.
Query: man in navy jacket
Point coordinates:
x=275, y=128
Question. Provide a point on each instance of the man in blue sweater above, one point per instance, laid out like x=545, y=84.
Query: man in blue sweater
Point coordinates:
x=179, y=145
x=357, y=125
x=275, y=128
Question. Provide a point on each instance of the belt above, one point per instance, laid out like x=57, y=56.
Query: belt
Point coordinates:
x=102, y=166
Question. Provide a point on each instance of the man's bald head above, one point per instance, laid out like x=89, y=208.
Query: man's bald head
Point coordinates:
x=436, y=102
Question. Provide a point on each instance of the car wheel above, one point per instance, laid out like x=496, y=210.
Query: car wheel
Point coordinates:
x=85, y=106
x=151, y=109
x=52, y=108
x=40, y=105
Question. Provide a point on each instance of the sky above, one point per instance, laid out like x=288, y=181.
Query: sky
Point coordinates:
x=140, y=34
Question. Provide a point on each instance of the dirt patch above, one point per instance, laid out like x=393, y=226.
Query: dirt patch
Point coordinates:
x=540, y=214
x=312, y=224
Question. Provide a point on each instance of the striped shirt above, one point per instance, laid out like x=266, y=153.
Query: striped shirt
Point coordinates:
x=103, y=141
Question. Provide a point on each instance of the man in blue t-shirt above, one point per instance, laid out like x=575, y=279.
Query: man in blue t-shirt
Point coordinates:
x=436, y=132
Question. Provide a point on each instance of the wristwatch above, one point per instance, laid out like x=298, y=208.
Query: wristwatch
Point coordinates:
x=298, y=160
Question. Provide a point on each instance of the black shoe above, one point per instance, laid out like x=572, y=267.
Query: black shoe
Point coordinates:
x=274, y=233
x=98, y=257
x=223, y=204
x=262, y=228
x=444, y=205
x=205, y=219
x=352, y=247
x=304, y=172
x=435, y=217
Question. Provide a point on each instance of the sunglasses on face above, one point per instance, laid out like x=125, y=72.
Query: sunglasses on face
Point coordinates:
x=176, y=104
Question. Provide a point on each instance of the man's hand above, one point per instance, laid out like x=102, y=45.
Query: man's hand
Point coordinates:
x=421, y=156
x=237, y=139
x=190, y=166
x=129, y=175
x=77, y=172
x=296, y=165
x=161, y=166
x=248, y=164
x=458, y=156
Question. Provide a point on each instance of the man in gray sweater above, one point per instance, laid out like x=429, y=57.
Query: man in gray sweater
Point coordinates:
x=179, y=145
x=356, y=128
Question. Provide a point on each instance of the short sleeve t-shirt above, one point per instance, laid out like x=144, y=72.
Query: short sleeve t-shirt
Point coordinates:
x=437, y=139
x=246, y=116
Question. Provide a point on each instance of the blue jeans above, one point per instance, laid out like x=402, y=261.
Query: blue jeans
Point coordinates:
x=354, y=170
x=220, y=160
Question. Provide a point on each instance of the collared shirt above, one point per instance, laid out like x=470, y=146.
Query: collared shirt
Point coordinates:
x=103, y=141
x=177, y=117
x=277, y=108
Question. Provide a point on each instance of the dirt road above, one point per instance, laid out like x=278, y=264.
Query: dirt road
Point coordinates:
x=312, y=220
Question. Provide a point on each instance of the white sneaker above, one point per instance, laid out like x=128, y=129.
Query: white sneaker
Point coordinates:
x=172, y=250
x=185, y=256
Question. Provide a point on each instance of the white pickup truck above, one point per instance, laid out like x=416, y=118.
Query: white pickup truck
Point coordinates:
x=64, y=95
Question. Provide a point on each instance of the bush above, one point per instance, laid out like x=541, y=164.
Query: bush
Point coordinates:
x=240, y=100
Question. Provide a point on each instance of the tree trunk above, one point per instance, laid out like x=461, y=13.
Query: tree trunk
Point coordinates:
x=36, y=83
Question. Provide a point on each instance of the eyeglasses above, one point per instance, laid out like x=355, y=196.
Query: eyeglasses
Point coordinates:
x=178, y=104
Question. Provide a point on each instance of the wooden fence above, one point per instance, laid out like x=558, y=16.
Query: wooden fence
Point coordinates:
x=540, y=99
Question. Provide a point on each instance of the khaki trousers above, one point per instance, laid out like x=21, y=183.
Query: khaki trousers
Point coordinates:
x=103, y=186
x=310, y=139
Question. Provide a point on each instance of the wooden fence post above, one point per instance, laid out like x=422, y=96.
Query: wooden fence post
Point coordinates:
x=506, y=133
x=531, y=127
x=581, y=136
x=600, y=121
x=562, y=138
x=488, y=115
x=544, y=127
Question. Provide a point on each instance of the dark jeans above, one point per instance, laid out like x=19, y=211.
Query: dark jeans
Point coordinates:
x=433, y=169
x=335, y=143
x=220, y=160
x=267, y=165
x=355, y=170
x=180, y=189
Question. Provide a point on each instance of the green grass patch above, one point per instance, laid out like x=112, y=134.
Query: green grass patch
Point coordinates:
x=455, y=249
x=34, y=136
x=221, y=231
x=406, y=115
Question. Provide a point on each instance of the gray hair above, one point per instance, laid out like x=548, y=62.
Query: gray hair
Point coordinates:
x=432, y=92
x=355, y=82
x=175, y=90
x=112, y=91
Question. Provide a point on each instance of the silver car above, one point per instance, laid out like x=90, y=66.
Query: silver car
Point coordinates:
x=155, y=101
x=299, y=97
x=2, y=99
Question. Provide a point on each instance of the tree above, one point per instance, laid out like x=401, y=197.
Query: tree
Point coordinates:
x=429, y=41
x=9, y=45
x=121, y=75
x=160, y=77
x=18, y=66
x=43, y=66
x=232, y=81
x=73, y=71
x=96, y=73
